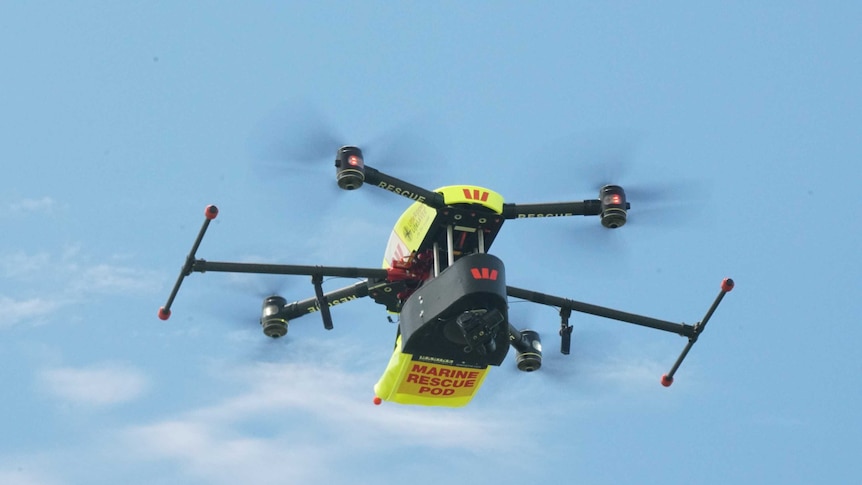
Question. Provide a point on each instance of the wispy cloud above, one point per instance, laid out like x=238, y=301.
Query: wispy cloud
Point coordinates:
x=290, y=422
x=24, y=477
x=627, y=372
x=331, y=393
x=104, y=384
x=44, y=205
x=69, y=278
x=310, y=420
x=108, y=278
x=317, y=417
x=219, y=455
x=16, y=311
x=20, y=265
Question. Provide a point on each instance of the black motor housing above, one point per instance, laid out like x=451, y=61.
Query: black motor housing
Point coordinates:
x=349, y=168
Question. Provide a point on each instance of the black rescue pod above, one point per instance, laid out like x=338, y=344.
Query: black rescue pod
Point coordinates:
x=461, y=315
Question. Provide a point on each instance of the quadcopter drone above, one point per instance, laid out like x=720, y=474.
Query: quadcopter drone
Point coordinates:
x=450, y=294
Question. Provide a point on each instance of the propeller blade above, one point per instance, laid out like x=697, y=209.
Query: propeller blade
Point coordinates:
x=294, y=133
x=595, y=159
x=666, y=204
x=297, y=134
x=413, y=147
x=605, y=159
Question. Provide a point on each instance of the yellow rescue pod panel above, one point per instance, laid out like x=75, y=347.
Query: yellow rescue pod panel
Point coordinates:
x=410, y=379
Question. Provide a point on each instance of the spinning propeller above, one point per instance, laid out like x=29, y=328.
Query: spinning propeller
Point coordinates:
x=298, y=136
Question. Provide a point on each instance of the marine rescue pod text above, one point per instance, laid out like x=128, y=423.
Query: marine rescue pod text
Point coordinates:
x=438, y=381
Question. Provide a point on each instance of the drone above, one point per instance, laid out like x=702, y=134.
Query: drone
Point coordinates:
x=450, y=295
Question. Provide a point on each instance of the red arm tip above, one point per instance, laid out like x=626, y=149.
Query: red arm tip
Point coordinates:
x=726, y=285
x=377, y=401
x=211, y=212
x=164, y=314
x=666, y=380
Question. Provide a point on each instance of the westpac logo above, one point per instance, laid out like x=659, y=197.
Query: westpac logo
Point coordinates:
x=476, y=194
x=484, y=274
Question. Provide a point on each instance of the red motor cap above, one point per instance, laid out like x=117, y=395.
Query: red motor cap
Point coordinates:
x=164, y=314
x=666, y=380
x=726, y=285
x=211, y=212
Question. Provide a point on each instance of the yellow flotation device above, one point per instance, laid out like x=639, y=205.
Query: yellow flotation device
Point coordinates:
x=428, y=381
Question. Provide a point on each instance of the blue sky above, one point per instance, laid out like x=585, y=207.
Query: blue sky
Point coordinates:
x=121, y=121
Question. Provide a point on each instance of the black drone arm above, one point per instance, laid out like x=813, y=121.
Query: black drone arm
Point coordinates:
x=336, y=297
x=552, y=209
x=352, y=173
x=565, y=303
x=320, y=302
x=277, y=313
x=566, y=306
x=611, y=207
x=203, y=266
x=404, y=189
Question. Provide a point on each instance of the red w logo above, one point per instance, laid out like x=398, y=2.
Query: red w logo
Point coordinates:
x=484, y=274
x=476, y=194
